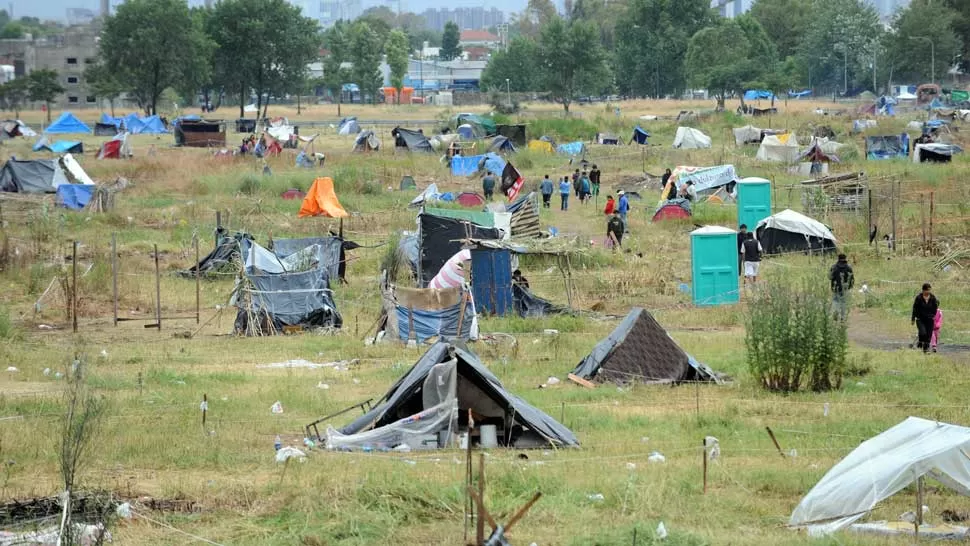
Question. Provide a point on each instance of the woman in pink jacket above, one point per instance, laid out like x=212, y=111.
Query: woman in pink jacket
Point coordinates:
x=937, y=324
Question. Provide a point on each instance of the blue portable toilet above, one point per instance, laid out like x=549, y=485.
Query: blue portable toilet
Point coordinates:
x=754, y=201
x=492, y=280
x=714, y=265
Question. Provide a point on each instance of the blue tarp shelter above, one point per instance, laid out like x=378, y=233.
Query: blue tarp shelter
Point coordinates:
x=67, y=123
x=799, y=94
x=108, y=120
x=887, y=146
x=74, y=196
x=571, y=148
x=758, y=94
x=59, y=147
x=152, y=125
x=471, y=165
x=640, y=135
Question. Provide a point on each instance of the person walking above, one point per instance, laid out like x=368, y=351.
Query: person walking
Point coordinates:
x=576, y=182
x=925, y=307
x=665, y=178
x=937, y=324
x=742, y=235
x=751, y=254
x=546, y=188
x=564, y=189
x=594, y=178
x=614, y=231
x=584, y=188
x=610, y=206
x=622, y=208
x=841, y=279
x=488, y=186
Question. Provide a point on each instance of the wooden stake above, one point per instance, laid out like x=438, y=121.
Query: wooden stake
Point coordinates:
x=198, y=279
x=918, y=520
x=697, y=398
x=158, y=293
x=141, y=384
x=461, y=314
x=892, y=208
x=922, y=222
x=74, y=289
x=704, y=453
x=114, y=274
x=774, y=441
x=218, y=225
x=932, y=216
x=562, y=412
x=480, y=523
x=205, y=408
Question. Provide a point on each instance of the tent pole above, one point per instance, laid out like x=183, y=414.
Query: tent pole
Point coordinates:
x=919, y=507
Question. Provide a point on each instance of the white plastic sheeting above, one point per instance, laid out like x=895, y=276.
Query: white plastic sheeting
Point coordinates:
x=795, y=222
x=746, y=134
x=880, y=468
x=688, y=138
x=75, y=170
x=779, y=148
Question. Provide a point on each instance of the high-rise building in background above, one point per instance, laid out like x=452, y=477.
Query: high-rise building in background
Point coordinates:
x=473, y=18
x=733, y=8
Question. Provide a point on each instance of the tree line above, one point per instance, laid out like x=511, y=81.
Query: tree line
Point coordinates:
x=658, y=48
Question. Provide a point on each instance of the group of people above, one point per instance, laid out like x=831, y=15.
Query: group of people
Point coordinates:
x=583, y=184
x=672, y=191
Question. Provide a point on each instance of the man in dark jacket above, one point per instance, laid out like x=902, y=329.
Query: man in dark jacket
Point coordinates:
x=488, y=186
x=924, y=312
x=751, y=254
x=614, y=231
x=742, y=235
x=841, y=279
x=594, y=179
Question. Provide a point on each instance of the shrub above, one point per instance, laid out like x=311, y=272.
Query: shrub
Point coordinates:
x=250, y=185
x=793, y=336
x=7, y=329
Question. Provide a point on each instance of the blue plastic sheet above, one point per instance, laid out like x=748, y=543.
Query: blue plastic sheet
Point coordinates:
x=67, y=123
x=429, y=324
x=758, y=94
x=74, y=196
x=571, y=148
x=465, y=165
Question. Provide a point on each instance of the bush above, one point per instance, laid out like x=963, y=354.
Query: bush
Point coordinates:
x=250, y=185
x=793, y=336
x=7, y=329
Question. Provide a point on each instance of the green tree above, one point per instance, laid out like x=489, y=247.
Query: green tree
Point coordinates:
x=784, y=21
x=717, y=60
x=417, y=38
x=570, y=60
x=961, y=25
x=838, y=44
x=15, y=94
x=604, y=14
x=285, y=42
x=450, y=46
x=397, y=59
x=365, y=55
x=43, y=86
x=336, y=40
x=537, y=14
x=651, y=44
x=914, y=27
x=103, y=84
x=153, y=45
x=4, y=17
x=12, y=30
x=517, y=65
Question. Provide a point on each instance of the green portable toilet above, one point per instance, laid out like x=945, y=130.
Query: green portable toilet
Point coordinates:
x=714, y=265
x=754, y=201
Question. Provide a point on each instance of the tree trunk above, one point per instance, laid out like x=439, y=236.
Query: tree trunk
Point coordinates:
x=299, y=108
x=565, y=105
x=111, y=103
x=340, y=99
x=48, y=105
x=242, y=101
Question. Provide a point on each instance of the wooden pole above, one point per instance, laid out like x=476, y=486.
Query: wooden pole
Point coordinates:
x=892, y=208
x=198, y=280
x=704, y=453
x=205, y=408
x=869, y=215
x=932, y=216
x=922, y=221
x=158, y=293
x=480, y=522
x=918, y=520
x=775, y=441
x=114, y=275
x=469, y=502
x=461, y=314
x=218, y=225
x=74, y=289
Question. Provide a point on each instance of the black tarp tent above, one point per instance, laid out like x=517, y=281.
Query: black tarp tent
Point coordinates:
x=640, y=350
x=105, y=129
x=515, y=133
x=476, y=389
x=501, y=144
x=528, y=305
x=32, y=176
x=790, y=231
x=439, y=239
x=414, y=141
x=223, y=260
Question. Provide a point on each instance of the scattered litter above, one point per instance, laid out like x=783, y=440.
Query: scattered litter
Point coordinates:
x=300, y=363
x=644, y=439
x=309, y=444
x=864, y=289
x=225, y=398
x=277, y=407
x=104, y=353
x=204, y=406
x=825, y=410
x=661, y=531
x=58, y=375
x=631, y=466
x=596, y=497
x=550, y=332
x=860, y=384
x=713, y=448
x=322, y=385
x=656, y=457
x=894, y=372
x=410, y=462
x=44, y=327
x=553, y=381
x=12, y=369
x=356, y=381
x=175, y=381
x=910, y=516
x=793, y=453
x=289, y=452
x=124, y=510
x=47, y=371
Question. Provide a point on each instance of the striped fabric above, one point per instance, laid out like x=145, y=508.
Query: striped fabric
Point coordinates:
x=525, y=218
x=452, y=274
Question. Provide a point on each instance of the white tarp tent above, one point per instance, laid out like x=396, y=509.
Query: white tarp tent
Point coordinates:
x=749, y=134
x=796, y=222
x=779, y=148
x=881, y=467
x=688, y=138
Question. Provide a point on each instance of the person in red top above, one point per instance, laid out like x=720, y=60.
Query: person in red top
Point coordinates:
x=610, y=205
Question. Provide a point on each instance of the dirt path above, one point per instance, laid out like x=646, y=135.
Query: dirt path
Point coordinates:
x=866, y=332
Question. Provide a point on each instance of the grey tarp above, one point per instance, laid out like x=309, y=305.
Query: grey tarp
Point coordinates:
x=528, y=305
x=639, y=349
x=414, y=141
x=330, y=254
x=224, y=258
x=440, y=238
x=31, y=176
x=530, y=426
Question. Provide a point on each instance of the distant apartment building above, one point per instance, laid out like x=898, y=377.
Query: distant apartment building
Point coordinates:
x=69, y=54
x=476, y=18
x=733, y=8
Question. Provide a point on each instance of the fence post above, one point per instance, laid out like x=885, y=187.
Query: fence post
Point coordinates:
x=218, y=225
x=704, y=456
x=74, y=289
x=158, y=293
x=932, y=216
x=922, y=221
x=198, y=278
x=892, y=208
x=114, y=275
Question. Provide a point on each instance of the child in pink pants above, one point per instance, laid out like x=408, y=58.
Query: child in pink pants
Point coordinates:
x=937, y=323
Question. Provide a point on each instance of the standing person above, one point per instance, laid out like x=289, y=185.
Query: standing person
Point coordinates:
x=623, y=207
x=925, y=307
x=937, y=324
x=841, y=280
x=688, y=191
x=546, y=188
x=576, y=182
x=751, y=254
x=518, y=279
x=665, y=178
x=610, y=205
x=564, y=189
x=584, y=188
x=488, y=186
x=742, y=235
x=594, y=178
x=614, y=231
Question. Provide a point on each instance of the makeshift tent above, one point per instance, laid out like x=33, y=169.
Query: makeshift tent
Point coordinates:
x=861, y=125
x=74, y=196
x=484, y=126
x=151, y=125
x=887, y=146
x=74, y=171
x=443, y=142
x=501, y=144
x=883, y=466
x=31, y=176
x=608, y=139
x=462, y=165
x=821, y=150
x=528, y=305
x=413, y=141
x=467, y=132
x=348, y=126
x=194, y=131
x=484, y=218
x=321, y=200
x=688, y=138
x=59, y=147
x=470, y=199
x=935, y=152
x=790, y=231
x=571, y=148
x=430, y=194
x=116, y=148
x=366, y=141
x=439, y=238
x=108, y=120
x=758, y=94
x=515, y=133
x=434, y=399
x=782, y=147
x=67, y=123
x=223, y=260
x=748, y=134
x=640, y=350
x=273, y=295
x=13, y=128
x=672, y=209
x=707, y=180
x=540, y=146
x=328, y=252
x=425, y=313
x=452, y=274
x=105, y=129
x=640, y=135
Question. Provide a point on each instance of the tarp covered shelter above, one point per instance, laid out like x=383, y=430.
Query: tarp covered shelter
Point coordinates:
x=224, y=259
x=321, y=200
x=413, y=141
x=59, y=147
x=749, y=134
x=486, y=126
x=431, y=313
x=13, y=128
x=366, y=141
x=74, y=196
x=194, y=131
x=501, y=144
x=887, y=146
x=782, y=148
x=525, y=217
x=67, y=123
x=439, y=238
x=32, y=176
x=515, y=133
x=474, y=165
x=151, y=125
x=688, y=138
x=608, y=139
x=758, y=94
x=707, y=180
x=437, y=394
x=640, y=135
x=640, y=350
x=883, y=466
x=105, y=129
x=329, y=252
x=429, y=195
x=821, y=150
x=790, y=231
x=470, y=199
x=116, y=148
x=571, y=148
x=540, y=146
x=935, y=152
x=348, y=126
x=528, y=305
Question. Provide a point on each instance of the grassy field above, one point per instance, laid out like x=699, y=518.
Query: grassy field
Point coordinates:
x=152, y=443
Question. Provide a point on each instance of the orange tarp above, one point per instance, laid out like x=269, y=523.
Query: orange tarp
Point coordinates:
x=322, y=201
